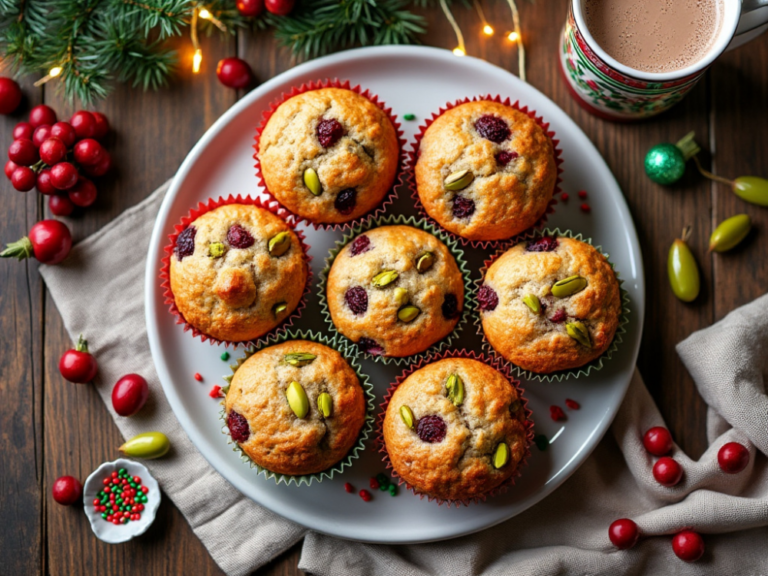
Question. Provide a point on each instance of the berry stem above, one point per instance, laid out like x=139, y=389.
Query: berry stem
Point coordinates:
x=688, y=146
x=21, y=249
x=708, y=174
x=82, y=344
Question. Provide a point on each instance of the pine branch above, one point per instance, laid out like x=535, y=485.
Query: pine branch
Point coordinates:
x=168, y=17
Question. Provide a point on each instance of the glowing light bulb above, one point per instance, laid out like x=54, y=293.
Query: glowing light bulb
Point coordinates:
x=197, y=59
x=204, y=14
x=55, y=71
x=488, y=30
x=513, y=36
x=459, y=51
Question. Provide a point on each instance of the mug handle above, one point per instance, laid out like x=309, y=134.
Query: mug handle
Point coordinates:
x=753, y=22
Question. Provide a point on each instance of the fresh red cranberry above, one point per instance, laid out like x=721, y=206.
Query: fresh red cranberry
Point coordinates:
x=101, y=128
x=559, y=316
x=83, y=193
x=49, y=241
x=688, y=545
x=23, y=179
x=250, y=8
x=43, y=182
x=346, y=200
x=65, y=132
x=23, y=130
x=667, y=471
x=658, y=441
x=357, y=300
x=329, y=131
x=463, y=207
x=487, y=298
x=130, y=394
x=543, y=244
x=10, y=166
x=101, y=168
x=450, y=306
x=84, y=124
x=623, y=533
x=41, y=134
x=370, y=346
x=67, y=490
x=360, y=244
x=239, y=237
x=234, y=72
x=504, y=157
x=238, y=427
x=88, y=152
x=63, y=176
x=431, y=428
x=185, y=243
x=77, y=365
x=60, y=205
x=733, y=458
x=279, y=7
x=10, y=95
x=42, y=114
x=492, y=128
x=52, y=151
x=22, y=152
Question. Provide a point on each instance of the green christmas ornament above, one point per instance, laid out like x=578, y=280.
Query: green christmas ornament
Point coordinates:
x=665, y=163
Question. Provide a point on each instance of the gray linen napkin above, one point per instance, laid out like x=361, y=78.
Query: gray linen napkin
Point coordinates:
x=564, y=534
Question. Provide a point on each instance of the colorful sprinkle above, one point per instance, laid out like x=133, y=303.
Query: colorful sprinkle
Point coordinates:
x=564, y=196
x=225, y=356
x=572, y=404
x=215, y=392
x=585, y=208
x=365, y=495
x=392, y=489
x=374, y=484
x=198, y=377
x=556, y=413
x=409, y=117
x=121, y=495
x=349, y=488
x=582, y=194
x=541, y=442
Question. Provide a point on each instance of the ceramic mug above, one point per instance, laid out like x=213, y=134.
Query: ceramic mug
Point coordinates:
x=614, y=91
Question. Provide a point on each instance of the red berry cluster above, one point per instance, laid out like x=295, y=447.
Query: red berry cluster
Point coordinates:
x=122, y=498
x=53, y=155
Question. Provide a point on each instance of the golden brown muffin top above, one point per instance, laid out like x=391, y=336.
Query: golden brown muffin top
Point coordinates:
x=449, y=452
x=273, y=436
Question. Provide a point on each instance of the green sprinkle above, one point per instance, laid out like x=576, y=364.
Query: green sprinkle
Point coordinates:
x=225, y=356
x=122, y=471
x=132, y=484
x=104, y=515
x=393, y=489
x=541, y=442
x=383, y=487
x=409, y=116
x=382, y=478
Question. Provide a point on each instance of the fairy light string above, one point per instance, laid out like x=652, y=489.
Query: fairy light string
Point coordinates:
x=487, y=28
x=516, y=36
x=461, y=49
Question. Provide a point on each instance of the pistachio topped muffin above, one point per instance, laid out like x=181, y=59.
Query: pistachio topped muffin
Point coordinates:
x=329, y=155
x=395, y=291
x=549, y=304
x=485, y=171
x=455, y=429
x=237, y=272
x=295, y=408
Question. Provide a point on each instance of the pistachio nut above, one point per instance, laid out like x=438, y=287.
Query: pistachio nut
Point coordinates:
x=279, y=244
x=532, y=301
x=682, y=269
x=501, y=456
x=385, y=278
x=569, y=286
x=729, y=233
x=578, y=332
x=279, y=308
x=216, y=250
x=425, y=261
x=297, y=399
x=401, y=296
x=458, y=180
x=147, y=445
x=312, y=181
x=408, y=313
x=325, y=404
x=407, y=415
x=455, y=387
x=299, y=359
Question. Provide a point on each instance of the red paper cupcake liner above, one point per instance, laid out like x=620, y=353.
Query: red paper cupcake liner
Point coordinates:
x=194, y=213
x=429, y=359
x=413, y=156
x=399, y=180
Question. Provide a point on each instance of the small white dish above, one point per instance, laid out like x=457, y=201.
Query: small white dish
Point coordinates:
x=117, y=533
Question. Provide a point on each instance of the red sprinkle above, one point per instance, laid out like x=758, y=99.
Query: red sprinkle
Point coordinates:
x=585, y=207
x=374, y=484
x=582, y=194
x=564, y=196
x=349, y=488
x=365, y=495
x=572, y=404
x=198, y=377
x=556, y=413
x=215, y=392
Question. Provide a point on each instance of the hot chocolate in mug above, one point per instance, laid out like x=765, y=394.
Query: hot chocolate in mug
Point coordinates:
x=615, y=91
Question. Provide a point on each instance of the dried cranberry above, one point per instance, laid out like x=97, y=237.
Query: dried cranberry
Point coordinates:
x=463, y=207
x=346, y=200
x=357, y=299
x=370, y=346
x=239, y=237
x=557, y=414
x=360, y=244
x=431, y=428
x=450, y=306
x=505, y=157
x=185, y=243
x=492, y=128
x=488, y=298
x=328, y=132
x=543, y=244
x=558, y=316
x=238, y=427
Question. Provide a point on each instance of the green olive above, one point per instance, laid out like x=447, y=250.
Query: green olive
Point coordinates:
x=729, y=233
x=752, y=189
x=682, y=270
x=146, y=445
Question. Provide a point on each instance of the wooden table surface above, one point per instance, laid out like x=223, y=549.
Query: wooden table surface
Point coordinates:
x=49, y=427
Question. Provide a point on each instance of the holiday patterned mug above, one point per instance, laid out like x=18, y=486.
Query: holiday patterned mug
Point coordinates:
x=613, y=91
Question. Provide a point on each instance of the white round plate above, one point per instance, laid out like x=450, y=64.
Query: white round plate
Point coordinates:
x=419, y=81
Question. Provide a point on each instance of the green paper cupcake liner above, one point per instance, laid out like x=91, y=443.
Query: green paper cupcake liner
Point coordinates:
x=453, y=247
x=594, y=365
x=365, y=432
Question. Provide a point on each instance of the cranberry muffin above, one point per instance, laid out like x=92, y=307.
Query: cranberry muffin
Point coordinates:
x=549, y=304
x=485, y=171
x=329, y=155
x=295, y=408
x=455, y=429
x=395, y=291
x=237, y=272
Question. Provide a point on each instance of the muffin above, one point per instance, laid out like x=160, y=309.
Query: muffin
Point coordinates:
x=549, y=304
x=455, y=429
x=237, y=271
x=395, y=291
x=485, y=171
x=295, y=408
x=329, y=155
